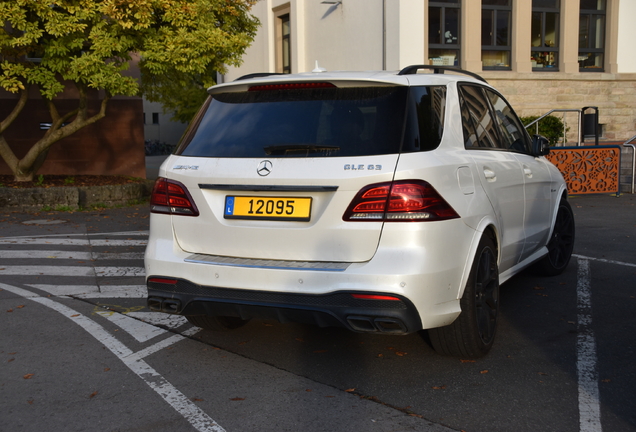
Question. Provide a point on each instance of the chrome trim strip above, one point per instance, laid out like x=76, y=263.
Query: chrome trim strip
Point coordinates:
x=268, y=188
x=268, y=264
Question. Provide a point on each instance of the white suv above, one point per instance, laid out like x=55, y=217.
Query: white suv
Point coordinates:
x=385, y=202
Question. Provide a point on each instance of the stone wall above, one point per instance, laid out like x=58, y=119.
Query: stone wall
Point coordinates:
x=538, y=93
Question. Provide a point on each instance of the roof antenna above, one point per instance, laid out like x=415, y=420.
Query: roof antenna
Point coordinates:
x=318, y=69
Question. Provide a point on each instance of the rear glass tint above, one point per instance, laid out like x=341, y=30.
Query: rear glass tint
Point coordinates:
x=320, y=122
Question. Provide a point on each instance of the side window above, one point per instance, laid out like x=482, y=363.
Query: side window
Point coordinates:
x=425, y=125
x=468, y=128
x=513, y=136
x=476, y=110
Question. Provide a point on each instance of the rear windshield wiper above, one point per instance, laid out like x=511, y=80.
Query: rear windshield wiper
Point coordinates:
x=293, y=149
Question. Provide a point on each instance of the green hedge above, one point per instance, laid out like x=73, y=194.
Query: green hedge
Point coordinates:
x=550, y=127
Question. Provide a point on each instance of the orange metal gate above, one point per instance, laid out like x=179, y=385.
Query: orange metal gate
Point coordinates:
x=589, y=169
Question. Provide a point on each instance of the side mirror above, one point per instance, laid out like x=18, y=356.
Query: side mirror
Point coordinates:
x=540, y=145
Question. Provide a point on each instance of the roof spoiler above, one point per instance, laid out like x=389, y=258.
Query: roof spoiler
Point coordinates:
x=258, y=75
x=411, y=70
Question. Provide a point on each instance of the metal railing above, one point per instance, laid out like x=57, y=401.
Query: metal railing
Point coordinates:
x=627, y=144
x=579, y=111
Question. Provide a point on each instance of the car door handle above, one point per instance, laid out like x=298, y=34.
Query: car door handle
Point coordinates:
x=527, y=171
x=490, y=175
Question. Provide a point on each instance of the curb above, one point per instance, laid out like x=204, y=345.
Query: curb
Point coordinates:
x=34, y=199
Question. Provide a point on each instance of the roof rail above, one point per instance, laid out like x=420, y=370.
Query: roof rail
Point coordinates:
x=257, y=75
x=410, y=70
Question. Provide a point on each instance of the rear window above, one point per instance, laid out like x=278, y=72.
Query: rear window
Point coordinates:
x=317, y=122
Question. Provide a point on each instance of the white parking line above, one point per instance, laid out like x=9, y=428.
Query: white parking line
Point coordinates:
x=76, y=255
x=71, y=271
x=70, y=241
x=589, y=408
x=604, y=260
x=177, y=400
x=94, y=291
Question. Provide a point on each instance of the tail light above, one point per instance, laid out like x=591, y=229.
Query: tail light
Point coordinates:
x=399, y=201
x=172, y=197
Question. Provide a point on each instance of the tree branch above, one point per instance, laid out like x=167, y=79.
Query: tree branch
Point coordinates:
x=17, y=109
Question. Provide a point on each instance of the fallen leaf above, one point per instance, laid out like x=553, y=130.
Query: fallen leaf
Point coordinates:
x=20, y=307
x=30, y=401
x=237, y=399
x=439, y=387
x=106, y=369
x=542, y=373
x=308, y=390
x=400, y=353
x=76, y=315
x=93, y=394
x=9, y=310
x=415, y=415
x=380, y=355
x=10, y=360
x=467, y=361
x=28, y=376
x=484, y=371
x=606, y=380
x=197, y=400
x=350, y=390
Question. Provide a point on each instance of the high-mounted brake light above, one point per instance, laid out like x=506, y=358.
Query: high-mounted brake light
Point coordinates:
x=291, y=86
x=172, y=197
x=399, y=201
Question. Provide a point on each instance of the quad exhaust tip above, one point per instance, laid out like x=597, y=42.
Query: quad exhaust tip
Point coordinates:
x=379, y=324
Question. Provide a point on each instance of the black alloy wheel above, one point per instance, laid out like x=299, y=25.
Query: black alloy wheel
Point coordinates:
x=472, y=334
x=561, y=242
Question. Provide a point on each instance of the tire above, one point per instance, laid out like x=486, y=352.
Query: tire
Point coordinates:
x=216, y=323
x=472, y=334
x=561, y=243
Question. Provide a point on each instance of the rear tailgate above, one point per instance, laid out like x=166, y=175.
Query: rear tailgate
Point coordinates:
x=247, y=215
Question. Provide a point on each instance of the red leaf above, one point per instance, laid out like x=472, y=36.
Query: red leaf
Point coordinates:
x=28, y=376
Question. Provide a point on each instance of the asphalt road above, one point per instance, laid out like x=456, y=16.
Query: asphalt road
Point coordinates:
x=79, y=350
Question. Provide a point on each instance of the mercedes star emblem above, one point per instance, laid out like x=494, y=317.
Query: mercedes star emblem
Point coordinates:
x=264, y=168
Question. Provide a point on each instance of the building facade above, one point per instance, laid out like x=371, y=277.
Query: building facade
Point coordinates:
x=541, y=54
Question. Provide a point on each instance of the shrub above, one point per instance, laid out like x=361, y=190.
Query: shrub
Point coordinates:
x=550, y=127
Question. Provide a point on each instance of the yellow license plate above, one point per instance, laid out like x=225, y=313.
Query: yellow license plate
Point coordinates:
x=267, y=208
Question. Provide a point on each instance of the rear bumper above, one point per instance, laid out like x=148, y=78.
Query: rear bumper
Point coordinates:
x=340, y=309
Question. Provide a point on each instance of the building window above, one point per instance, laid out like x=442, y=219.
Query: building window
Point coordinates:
x=545, y=35
x=286, y=43
x=592, y=36
x=496, y=30
x=155, y=118
x=443, y=32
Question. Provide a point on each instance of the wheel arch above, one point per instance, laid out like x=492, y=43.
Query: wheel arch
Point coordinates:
x=486, y=227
